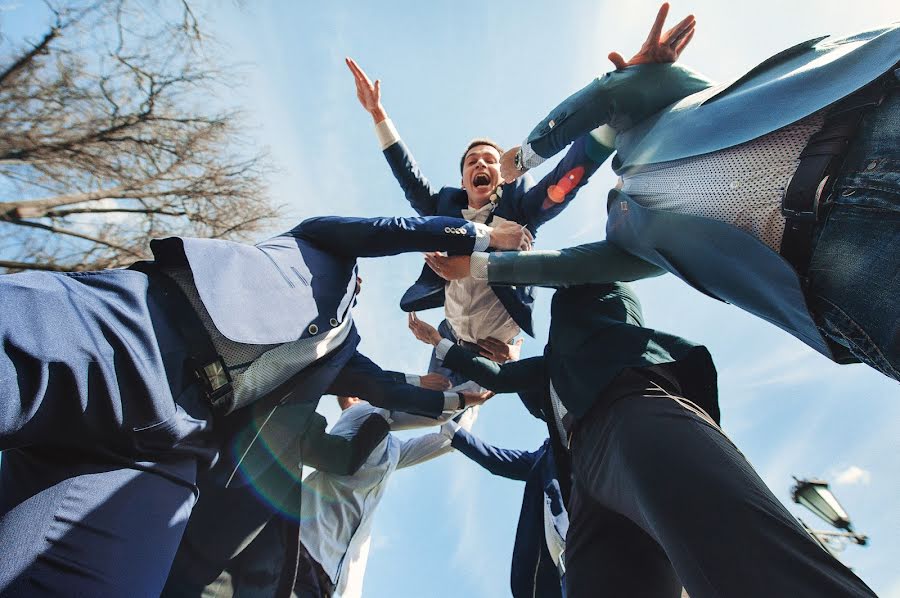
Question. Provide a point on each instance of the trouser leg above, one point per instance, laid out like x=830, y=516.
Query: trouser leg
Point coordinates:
x=683, y=483
x=73, y=526
x=608, y=554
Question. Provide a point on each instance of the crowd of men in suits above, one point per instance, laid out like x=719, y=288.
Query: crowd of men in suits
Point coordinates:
x=154, y=421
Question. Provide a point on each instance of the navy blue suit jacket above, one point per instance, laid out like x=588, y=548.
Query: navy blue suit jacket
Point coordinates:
x=297, y=285
x=533, y=572
x=521, y=201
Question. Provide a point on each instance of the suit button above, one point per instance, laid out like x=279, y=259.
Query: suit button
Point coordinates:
x=313, y=329
x=333, y=322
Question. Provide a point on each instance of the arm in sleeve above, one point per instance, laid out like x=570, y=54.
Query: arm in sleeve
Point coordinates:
x=360, y=377
x=592, y=263
x=513, y=376
x=336, y=454
x=376, y=237
x=428, y=446
x=552, y=194
x=620, y=99
x=418, y=191
x=508, y=463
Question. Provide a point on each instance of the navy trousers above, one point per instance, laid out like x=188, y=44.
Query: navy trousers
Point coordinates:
x=662, y=499
x=101, y=434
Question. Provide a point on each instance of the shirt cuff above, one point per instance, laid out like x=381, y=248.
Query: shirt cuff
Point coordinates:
x=387, y=134
x=440, y=349
x=478, y=265
x=482, y=236
x=451, y=401
x=413, y=379
x=530, y=158
x=449, y=428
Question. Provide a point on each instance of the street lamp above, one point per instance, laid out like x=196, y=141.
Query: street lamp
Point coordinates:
x=817, y=497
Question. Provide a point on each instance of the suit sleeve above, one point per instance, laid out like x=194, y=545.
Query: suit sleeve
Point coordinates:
x=548, y=198
x=508, y=463
x=515, y=376
x=336, y=454
x=418, y=191
x=376, y=237
x=592, y=263
x=620, y=99
x=360, y=377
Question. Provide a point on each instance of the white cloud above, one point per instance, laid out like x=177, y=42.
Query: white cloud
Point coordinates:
x=852, y=476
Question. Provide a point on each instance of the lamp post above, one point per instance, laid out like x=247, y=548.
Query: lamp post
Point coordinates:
x=817, y=497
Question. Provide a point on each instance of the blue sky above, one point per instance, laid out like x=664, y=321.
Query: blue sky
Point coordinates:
x=455, y=70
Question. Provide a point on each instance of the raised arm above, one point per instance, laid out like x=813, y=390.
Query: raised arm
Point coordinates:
x=419, y=192
x=635, y=90
x=592, y=263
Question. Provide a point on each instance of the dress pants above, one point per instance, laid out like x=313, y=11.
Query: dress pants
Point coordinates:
x=662, y=499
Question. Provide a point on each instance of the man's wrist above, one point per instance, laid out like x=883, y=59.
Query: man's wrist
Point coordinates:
x=378, y=114
x=441, y=349
x=386, y=132
x=453, y=401
x=482, y=236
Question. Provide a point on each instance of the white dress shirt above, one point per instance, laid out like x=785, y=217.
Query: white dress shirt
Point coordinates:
x=337, y=511
x=471, y=307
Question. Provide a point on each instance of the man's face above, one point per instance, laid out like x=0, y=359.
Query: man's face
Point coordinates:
x=481, y=173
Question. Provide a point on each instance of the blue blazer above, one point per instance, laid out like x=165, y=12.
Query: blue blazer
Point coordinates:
x=667, y=112
x=521, y=201
x=297, y=285
x=533, y=572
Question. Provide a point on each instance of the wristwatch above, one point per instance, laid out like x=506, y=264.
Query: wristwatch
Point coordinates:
x=519, y=160
x=462, y=400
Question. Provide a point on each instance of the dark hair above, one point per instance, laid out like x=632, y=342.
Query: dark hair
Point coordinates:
x=476, y=142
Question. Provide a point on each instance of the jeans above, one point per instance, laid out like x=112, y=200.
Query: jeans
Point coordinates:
x=854, y=290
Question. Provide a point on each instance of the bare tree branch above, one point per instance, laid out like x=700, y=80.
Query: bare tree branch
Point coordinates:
x=111, y=133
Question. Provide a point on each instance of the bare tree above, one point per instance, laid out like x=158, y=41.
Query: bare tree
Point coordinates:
x=113, y=131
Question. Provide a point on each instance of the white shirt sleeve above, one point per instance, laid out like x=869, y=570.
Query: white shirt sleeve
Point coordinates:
x=387, y=134
x=440, y=349
x=428, y=446
x=482, y=236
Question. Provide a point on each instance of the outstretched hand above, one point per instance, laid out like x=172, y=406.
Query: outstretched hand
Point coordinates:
x=369, y=93
x=659, y=46
x=423, y=331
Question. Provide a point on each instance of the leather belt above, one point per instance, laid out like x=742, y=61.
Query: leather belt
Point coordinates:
x=820, y=164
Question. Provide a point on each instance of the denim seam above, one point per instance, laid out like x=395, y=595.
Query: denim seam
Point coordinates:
x=871, y=347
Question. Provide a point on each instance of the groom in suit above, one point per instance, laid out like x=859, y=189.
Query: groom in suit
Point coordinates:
x=118, y=386
x=777, y=192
